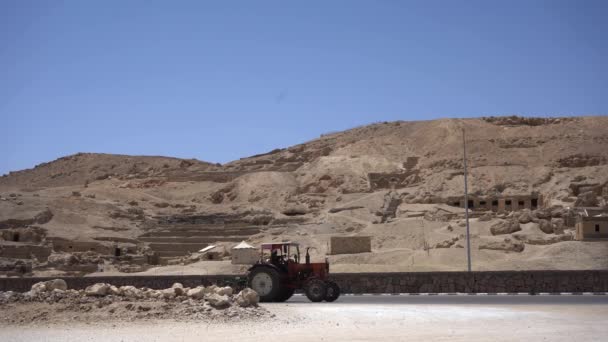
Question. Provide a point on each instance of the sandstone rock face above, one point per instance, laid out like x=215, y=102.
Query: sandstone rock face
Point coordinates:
x=507, y=245
x=62, y=260
x=247, y=297
x=505, y=227
x=99, y=289
x=586, y=199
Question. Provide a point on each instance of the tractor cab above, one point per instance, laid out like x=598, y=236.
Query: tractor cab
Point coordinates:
x=280, y=254
x=280, y=272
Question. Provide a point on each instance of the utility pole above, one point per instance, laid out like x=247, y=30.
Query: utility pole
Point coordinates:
x=466, y=200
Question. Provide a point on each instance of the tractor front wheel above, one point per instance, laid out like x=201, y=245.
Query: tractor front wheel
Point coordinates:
x=315, y=290
x=333, y=291
x=266, y=282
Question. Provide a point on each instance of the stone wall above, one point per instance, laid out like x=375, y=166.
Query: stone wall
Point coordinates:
x=592, y=228
x=25, y=251
x=474, y=282
x=350, y=244
x=411, y=282
x=70, y=246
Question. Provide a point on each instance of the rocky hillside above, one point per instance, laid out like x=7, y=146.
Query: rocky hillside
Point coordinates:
x=339, y=183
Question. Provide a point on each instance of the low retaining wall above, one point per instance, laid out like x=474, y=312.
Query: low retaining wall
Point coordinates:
x=474, y=282
x=398, y=282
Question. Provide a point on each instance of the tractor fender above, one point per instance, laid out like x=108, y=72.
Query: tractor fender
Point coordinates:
x=264, y=265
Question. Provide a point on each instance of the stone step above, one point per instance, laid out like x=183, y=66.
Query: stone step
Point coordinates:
x=185, y=247
x=201, y=233
x=192, y=239
x=171, y=254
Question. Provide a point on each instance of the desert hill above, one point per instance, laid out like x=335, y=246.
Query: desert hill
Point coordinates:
x=399, y=182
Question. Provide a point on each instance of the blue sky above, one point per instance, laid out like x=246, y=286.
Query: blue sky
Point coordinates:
x=219, y=80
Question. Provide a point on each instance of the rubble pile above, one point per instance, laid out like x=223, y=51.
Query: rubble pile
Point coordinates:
x=53, y=301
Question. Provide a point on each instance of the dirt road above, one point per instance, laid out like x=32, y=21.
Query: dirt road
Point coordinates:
x=386, y=318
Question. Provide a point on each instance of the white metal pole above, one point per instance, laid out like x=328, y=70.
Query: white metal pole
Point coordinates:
x=466, y=200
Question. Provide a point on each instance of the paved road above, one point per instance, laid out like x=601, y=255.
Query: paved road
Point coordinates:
x=373, y=318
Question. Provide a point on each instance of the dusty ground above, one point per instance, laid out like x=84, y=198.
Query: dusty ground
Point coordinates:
x=441, y=318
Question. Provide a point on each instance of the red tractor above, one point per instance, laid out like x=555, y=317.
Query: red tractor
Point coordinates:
x=279, y=274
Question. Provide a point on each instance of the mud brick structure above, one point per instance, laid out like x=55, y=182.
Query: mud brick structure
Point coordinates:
x=350, y=244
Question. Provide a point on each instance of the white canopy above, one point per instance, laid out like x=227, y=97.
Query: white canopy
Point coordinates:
x=206, y=249
x=243, y=245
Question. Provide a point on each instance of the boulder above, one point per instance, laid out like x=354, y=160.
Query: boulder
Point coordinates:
x=130, y=291
x=168, y=293
x=224, y=291
x=178, y=288
x=247, y=297
x=114, y=290
x=99, y=289
x=506, y=245
x=545, y=226
x=446, y=243
x=218, y=301
x=505, y=227
x=534, y=239
x=57, y=284
x=210, y=289
x=525, y=217
x=196, y=293
x=542, y=214
x=558, y=225
x=485, y=217
x=48, y=286
x=39, y=287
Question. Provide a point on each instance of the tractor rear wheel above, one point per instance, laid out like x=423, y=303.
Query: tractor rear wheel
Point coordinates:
x=285, y=294
x=315, y=290
x=333, y=291
x=266, y=282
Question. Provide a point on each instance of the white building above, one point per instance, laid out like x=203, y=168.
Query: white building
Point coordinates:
x=245, y=254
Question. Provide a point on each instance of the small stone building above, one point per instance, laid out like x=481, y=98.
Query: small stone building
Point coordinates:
x=591, y=227
x=350, y=244
x=244, y=254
